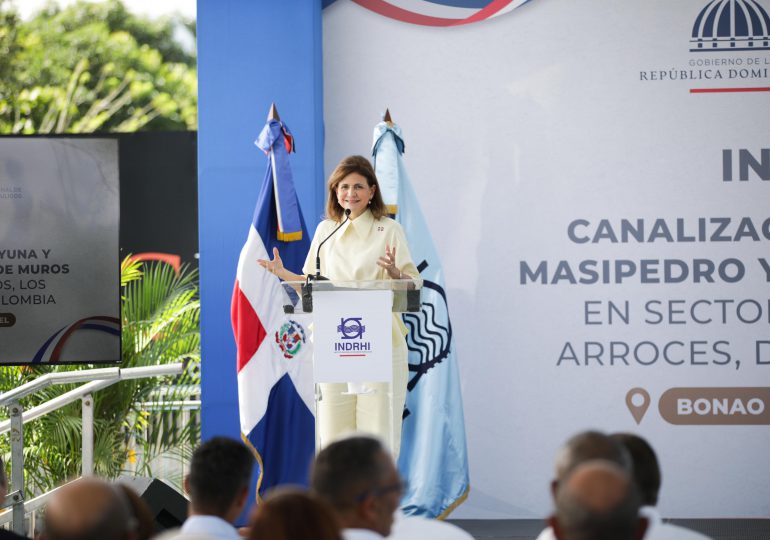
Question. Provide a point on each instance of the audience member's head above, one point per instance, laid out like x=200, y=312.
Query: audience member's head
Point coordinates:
x=293, y=514
x=357, y=477
x=219, y=477
x=588, y=446
x=145, y=522
x=646, y=469
x=598, y=501
x=89, y=509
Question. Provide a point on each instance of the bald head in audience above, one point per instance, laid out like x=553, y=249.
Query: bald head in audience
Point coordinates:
x=598, y=501
x=89, y=509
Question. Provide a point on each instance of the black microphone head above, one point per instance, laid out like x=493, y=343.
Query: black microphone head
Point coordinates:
x=347, y=212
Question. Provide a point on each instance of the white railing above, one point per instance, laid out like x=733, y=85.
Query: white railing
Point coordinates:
x=95, y=379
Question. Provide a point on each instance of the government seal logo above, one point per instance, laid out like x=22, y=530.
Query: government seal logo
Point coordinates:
x=290, y=338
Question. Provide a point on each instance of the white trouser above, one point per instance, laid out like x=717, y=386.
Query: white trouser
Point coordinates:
x=378, y=412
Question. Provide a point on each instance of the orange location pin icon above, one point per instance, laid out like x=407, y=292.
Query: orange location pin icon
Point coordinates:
x=637, y=401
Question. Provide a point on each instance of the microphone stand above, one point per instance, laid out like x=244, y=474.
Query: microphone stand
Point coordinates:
x=318, y=276
x=307, y=288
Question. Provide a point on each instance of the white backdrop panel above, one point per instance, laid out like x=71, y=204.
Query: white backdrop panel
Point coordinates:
x=515, y=128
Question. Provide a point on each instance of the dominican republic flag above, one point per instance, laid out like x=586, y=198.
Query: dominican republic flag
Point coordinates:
x=434, y=456
x=275, y=386
x=438, y=12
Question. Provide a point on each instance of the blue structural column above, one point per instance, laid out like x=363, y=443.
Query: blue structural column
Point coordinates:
x=250, y=54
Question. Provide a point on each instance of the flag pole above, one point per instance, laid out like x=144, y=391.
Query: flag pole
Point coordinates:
x=273, y=114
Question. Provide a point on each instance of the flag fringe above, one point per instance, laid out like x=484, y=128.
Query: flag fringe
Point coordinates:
x=289, y=237
x=392, y=209
x=451, y=508
x=258, y=457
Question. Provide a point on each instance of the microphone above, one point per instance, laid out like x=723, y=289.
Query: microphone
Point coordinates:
x=318, y=253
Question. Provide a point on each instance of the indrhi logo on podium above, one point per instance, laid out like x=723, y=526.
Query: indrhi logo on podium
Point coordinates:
x=351, y=328
x=351, y=337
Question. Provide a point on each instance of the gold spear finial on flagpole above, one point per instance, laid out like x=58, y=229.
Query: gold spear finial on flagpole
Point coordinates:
x=273, y=114
x=387, y=118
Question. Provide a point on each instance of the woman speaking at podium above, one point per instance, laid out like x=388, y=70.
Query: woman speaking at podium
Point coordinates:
x=370, y=246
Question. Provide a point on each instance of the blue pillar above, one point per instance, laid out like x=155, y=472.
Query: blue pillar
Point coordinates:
x=250, y=54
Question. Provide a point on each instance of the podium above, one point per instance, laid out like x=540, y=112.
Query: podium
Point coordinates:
x=357, y=346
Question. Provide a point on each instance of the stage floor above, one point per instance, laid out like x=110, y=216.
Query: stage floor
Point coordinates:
x=528, y=529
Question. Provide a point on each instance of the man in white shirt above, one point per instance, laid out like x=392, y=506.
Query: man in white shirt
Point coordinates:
x=598, y=501
x=647, y=478
x=218, y=485
x=634, y=455
x=420, y=528
x=583, y=447
x=358, y=478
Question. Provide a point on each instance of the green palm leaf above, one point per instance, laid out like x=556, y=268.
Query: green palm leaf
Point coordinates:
x=160, y=315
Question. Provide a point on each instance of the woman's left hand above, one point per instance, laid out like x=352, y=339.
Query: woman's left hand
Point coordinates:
x=388, y=262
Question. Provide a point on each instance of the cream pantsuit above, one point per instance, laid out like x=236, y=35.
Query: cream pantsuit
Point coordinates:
x=351, y=255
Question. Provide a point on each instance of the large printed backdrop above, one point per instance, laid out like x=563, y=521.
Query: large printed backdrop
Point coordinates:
x=545, y=142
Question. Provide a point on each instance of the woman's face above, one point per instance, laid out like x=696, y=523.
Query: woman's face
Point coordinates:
x=354, y=192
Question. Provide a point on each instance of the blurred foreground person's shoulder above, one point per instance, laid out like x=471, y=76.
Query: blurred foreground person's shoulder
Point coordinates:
x=420, y=528
x=177, y=534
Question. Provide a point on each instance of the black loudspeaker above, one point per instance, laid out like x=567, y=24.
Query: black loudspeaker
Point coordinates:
x=168, y=506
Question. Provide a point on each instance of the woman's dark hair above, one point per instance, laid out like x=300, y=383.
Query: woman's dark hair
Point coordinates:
x=646, y=469
x=292, y=514
x=145, y=521
x=349, y=165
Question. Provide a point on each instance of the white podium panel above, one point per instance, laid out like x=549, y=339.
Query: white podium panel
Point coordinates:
x=352, y=336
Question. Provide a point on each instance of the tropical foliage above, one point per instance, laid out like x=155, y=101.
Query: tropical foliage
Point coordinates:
x=160, y=319
x=94, y=66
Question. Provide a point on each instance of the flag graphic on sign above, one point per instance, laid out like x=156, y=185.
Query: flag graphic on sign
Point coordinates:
x=438, y=12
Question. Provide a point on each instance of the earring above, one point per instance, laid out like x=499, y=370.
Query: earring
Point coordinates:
x=370, y=202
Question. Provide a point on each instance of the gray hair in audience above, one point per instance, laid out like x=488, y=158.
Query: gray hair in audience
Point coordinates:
x=588, y=446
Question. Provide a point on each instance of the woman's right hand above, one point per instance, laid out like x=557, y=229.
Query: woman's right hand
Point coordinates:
x=275, y=266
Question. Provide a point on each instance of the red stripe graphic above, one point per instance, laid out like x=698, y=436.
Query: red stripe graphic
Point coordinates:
x=247, y=327
x=56, y=354
x=488, y=11
x=389, y=10
x=723, y=90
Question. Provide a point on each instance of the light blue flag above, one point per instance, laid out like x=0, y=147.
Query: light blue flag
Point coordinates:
x=434, y=457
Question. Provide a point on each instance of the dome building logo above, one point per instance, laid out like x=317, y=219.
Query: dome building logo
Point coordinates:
x=737, y=34
x=731, y=25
